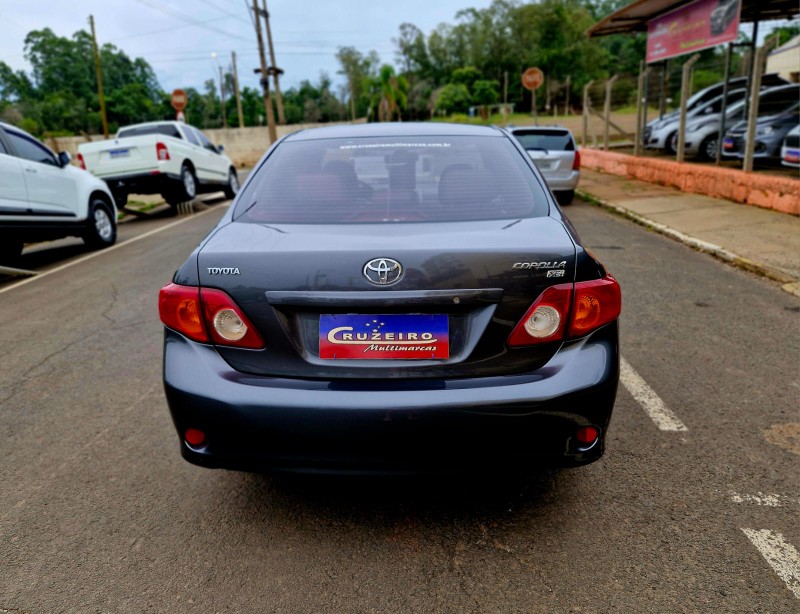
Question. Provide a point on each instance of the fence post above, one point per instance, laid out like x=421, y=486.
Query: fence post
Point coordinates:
x=640, y=108
x=686, y=85
x=755, y=87
x=607, y=110
x=586, y=104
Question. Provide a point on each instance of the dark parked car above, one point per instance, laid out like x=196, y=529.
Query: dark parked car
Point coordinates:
x=392, y=298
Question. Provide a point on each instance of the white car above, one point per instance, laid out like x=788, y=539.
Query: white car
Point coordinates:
x=168, y=158
x=555, y=154
x=44, y=197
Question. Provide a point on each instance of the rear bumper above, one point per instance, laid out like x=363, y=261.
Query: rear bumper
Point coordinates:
x=141, y=183
x=563, y=183
x=380, y=426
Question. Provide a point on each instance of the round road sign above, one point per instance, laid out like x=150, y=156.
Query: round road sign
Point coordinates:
x=178, y=100
x=532, y=78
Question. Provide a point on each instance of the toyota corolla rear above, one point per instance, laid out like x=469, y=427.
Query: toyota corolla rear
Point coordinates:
x=391, y=298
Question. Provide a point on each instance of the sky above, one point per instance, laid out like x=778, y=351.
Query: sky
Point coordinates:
x=178, y=37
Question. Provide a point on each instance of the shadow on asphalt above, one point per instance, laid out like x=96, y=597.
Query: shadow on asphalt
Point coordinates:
x=359, y=500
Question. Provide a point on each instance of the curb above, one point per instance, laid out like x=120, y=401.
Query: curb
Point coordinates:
x=788, y=283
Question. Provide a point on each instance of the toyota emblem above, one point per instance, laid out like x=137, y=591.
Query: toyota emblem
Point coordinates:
x=383, y=271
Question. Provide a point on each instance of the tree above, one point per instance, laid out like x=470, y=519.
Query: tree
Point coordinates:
x=390, y=94
x=358, y=68
x=452, y=98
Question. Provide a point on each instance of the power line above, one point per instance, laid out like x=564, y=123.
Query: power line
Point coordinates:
x=184, y=18
x=170, y=29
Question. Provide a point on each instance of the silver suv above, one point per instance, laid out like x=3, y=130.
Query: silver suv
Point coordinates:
x=553, y=151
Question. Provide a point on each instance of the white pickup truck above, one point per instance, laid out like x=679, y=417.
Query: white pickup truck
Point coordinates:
x=168, y=158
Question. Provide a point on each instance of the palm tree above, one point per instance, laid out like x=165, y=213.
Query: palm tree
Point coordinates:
x=390, y=94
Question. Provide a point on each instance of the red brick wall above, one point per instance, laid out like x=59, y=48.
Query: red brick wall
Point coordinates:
x=770, y=192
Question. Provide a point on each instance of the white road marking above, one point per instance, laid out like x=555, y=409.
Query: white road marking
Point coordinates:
x=760, y=498
x=780, y=554
x=646, y=397
x=109, y=249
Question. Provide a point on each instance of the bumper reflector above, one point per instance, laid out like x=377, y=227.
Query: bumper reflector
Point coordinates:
x=194, y=437
x=587, y=435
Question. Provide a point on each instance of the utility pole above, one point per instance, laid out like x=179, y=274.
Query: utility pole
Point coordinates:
x=273, y=136
x=236, y=90
x=99, y=79
x=274, y=67
x=222, y=98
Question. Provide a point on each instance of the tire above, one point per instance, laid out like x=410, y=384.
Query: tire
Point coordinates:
x=708, y=148
x=184, y=190
x=232, y=187
x=671, y=144
x=101, y=227
x=565, y=198
x=10, y=250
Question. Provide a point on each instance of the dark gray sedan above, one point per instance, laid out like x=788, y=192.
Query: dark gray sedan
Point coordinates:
x=392, y=298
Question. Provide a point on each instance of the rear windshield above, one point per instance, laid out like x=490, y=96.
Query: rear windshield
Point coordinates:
x=555, y=140
x=163, y=129
x=385, y=180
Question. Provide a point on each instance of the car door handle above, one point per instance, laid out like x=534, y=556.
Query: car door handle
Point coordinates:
x=31, y=170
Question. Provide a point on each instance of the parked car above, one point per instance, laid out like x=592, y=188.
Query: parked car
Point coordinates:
x=664, y=134
x=168, y=158
x=702, y=132
x=555, y=154
x=709, y=93
x=790, y=152
x=44, y=197
x=392, y=298
x=776, y=117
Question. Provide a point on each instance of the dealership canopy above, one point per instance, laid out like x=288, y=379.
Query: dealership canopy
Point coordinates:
x=635, y=16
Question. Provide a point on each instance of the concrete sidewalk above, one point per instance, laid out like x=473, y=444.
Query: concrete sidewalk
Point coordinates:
x=759, y=240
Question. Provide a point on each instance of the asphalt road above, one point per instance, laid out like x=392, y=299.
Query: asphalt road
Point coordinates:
x=98, y=513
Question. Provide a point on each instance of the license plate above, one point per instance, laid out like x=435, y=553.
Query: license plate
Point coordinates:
x=371, y=337
x=792, y=155
x=119, y=153
x=727, y=143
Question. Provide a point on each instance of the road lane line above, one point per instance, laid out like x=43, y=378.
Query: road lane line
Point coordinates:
x=102, y=252
x=650, y=402
x=763, y=499
x=780, y=554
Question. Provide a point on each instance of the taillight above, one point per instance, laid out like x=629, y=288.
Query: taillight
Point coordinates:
x=568, y=311
x=205, y=314
x=226, y=322
x=595, y=303
x=179, y=309
x=81, y=161
x=576, y=163
x=162, y=153
x=546, y=319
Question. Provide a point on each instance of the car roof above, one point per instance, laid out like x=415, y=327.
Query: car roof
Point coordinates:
x=393, y=129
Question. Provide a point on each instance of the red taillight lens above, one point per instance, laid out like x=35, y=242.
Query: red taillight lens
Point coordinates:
x=588, y=305
x=81, y=161
x=162, y=153
x=194, y=437
x=179, y=309
x=595, y=303
x=226, y=322
x=205, y=314
x=576, y=163
x=546, y=319
x=587, y=435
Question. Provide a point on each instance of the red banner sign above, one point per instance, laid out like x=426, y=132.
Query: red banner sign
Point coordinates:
x=696, y=26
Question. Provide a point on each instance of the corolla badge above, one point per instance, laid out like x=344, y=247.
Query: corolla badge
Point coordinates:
x=383, y=271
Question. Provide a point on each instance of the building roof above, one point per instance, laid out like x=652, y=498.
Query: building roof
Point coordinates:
x=634, y=17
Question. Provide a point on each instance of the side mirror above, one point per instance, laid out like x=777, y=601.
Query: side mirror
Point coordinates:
x=64, y=159
x=220, y=148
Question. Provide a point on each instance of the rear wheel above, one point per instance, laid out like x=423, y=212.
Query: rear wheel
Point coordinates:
x=565, y=198
x=10, y=250
x=101, y=227
x=232, y=188
x=185, y=190
x=708, y=148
